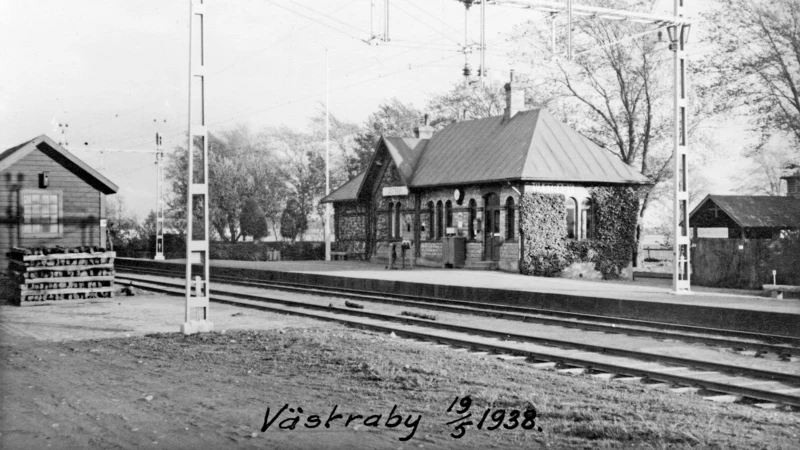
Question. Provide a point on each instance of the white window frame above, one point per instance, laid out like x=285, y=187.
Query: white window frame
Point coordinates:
x=40, y=234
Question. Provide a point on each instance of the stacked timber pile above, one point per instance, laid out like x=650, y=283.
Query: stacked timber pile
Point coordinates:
x=45, y=275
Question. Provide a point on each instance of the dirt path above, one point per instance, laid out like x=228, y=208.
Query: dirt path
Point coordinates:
x=72, y=378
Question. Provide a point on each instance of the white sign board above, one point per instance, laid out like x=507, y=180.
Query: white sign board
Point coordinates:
x=395, y=191
x=103, y=223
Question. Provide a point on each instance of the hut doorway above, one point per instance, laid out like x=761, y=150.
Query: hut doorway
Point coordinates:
x=491, y=231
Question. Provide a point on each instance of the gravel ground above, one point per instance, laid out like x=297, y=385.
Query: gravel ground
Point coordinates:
x=73, y=378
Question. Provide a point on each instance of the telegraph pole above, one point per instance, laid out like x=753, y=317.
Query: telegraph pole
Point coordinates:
x=197, y=290
x=327, y=157
x=159, y=211
x=159, y=200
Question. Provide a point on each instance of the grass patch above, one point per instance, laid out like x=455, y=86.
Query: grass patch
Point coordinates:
x=367, y=372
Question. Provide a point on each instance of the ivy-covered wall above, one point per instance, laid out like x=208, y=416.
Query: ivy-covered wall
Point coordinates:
x=546, y=249
x=543, y=219
x=616, y=215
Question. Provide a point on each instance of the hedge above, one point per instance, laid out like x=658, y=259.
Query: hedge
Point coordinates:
x=249, y=251
x=175, y=248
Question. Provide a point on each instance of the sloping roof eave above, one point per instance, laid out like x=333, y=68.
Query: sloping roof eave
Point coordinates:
x=531, y=179
x=8, y=160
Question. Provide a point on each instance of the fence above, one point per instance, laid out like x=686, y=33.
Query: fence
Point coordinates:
x=745, y=264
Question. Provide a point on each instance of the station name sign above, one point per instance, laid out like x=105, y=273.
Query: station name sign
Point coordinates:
x=395, y=191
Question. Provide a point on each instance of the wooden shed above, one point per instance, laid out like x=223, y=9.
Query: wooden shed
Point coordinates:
x=49, y=197
x=747, y=216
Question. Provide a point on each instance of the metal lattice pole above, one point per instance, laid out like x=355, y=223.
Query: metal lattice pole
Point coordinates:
x=681, y=265
x=160, y=200
x=197, y=289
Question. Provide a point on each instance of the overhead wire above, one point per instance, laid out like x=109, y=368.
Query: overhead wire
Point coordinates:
x=280, y=39
x=326, y=15
x=425, y=24
x=317, y=21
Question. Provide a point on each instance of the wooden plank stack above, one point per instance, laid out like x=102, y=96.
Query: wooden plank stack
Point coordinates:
x=58, y=275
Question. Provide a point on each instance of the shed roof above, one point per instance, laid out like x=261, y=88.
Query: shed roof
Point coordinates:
x=755, y=211
x=12, y=155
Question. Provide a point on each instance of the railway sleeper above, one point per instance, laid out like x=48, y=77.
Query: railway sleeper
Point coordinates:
x=438, y=304
x=636, y=373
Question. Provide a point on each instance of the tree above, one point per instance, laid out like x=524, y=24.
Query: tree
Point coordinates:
x=149, y=225
x=474, y=102
x=342, y=144
x=618, y=94
x=241, y=166
x=122, y=225
x=767, y=164
x=756, y=65
x=302, y=166
x=479, y=101
x=293, y=221
x=755, y=73
x=253, y=222
x=393, y=118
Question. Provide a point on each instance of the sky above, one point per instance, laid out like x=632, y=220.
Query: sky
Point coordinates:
x=117, y=72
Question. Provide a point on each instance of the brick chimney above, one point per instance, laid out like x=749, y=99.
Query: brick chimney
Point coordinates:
x=792, y=178
x=515, y=98
x=425, y=131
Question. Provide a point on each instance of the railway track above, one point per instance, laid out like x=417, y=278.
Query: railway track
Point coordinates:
x=760, y=344
x=715, y=381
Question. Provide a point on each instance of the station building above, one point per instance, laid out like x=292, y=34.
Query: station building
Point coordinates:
x=49, y=197
x=467, y=180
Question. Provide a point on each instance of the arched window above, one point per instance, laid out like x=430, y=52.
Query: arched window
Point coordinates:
x=448, y=214
x=473, y=215
x=390, y=221
x=510, y=222
x=398, y=208
x=439, y=220
x=431, y=221
x=572, y=223
x=587, y=219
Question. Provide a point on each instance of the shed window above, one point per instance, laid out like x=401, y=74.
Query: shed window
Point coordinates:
x=473, y=215
x=439, y=219
x=510, y=218
x=448, y=213
x=41, y=214
x=431, y=221
x=587, y=219
x=572, y=229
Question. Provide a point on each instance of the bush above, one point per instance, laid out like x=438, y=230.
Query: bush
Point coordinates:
x=258, y=251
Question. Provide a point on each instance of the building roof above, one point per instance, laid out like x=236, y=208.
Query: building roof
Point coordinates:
x=14, y=154
x=756, y=211
x=531, y=146
x=346, y=192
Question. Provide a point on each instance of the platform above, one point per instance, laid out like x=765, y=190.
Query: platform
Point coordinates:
x=649, y=299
